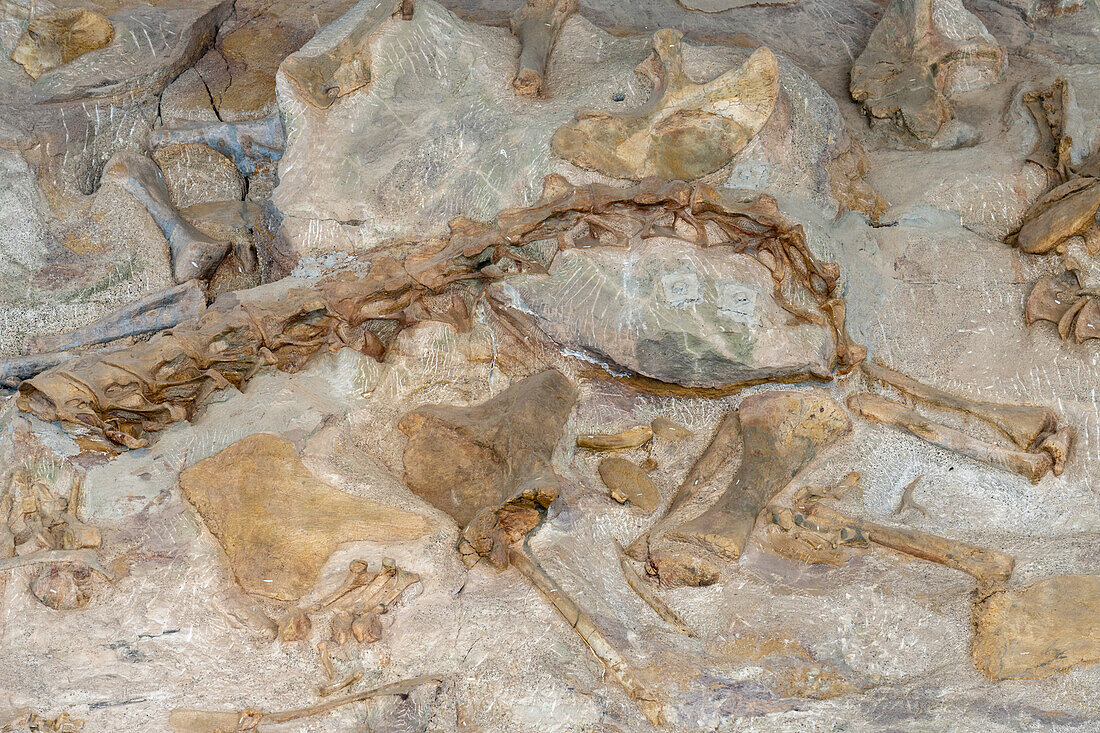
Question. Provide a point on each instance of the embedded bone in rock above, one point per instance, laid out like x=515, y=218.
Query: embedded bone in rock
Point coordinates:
x=628, y=482
x=1043, y=629
x=921, y=53
x=277, y=522
x=151, y=46
x=1066, y=211
x=537, y=24
x=721, y=6
x=672, y=312
x=254, y=146
x=58, y=38
x=686, y=129
x=337, y=61
x=154, y=312
x=782, y=433
x=494, y=456
x=194, y=255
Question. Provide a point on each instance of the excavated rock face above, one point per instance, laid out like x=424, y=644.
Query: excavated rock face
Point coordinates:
x=920, y=54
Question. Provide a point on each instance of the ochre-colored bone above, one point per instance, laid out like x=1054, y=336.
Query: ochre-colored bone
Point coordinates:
x=537, y=24
x=1067, y=211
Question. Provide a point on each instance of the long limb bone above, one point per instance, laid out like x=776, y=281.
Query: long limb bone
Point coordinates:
x=1031, y=465
x=639, y=586
x=537, y=24
x=87, y=558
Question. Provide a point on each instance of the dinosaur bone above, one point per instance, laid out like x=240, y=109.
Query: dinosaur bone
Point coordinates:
x=630, y=438
x=645, y=592
x=685, y=130
x=324, y=78
x=55, y=39
x=628, y=481
x=254, y=146
x=195, y=256
x=782, y=433
x=1033, y=466
x=537, y=24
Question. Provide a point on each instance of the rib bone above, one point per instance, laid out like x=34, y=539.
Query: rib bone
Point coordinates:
x=537, y=24
x=1031, y=465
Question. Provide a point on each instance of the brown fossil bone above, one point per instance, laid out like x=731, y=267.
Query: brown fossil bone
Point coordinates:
x=627, y=481
x=1032, y=466
x=194, y=255
x=277, y=523
x=324, y=78
x=55, y=39
x=685, y=130
x=488, y=466
x=782, y=433
x=918, y=55
x=639, y=585
x=1051, y=297
x=666, y=429
x=185, y=720
x=1043, y=629
x=1048, y=108
x=128, y=395
x=629, y=438
x=1066, y=211
x=537, y=24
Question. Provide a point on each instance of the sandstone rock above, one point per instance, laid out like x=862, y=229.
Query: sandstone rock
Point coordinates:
x=671, y=312
x=277, y=522
x=1043, y=629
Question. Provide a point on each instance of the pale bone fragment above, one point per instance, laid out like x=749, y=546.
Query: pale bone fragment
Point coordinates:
x=345, y=67
x=340, y=628
x=630, y=438
x=339, y=685
x=685, y=130
x=1025, y=425
x=907, y=501
x=204, y=721
x=194, y=255
x=639, y=585
x=359, y=574
x=254, y=146
x=367, y=628
x=586, y=628
x=665, y=429
x=294, y=626
x=628, y=482
x=55, y=39
x=782, y=433
x=153, y=312
x=87, y=558
x=718, y=453
x=130, y=394
x=327, y=666
x=1033, y=466
x=80, y=536
x=242, y=612
x=537, y=24
x=989, y=567
x=917, y=55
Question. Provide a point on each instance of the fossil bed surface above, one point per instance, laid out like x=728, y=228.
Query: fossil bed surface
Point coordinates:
x=882, y=643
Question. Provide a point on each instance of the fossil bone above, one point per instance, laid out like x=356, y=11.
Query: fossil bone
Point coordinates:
x=1066, y=211
x=685, y=130
x=55, y=39
x=1033, y=466
x=194, y=255
x=254, y=146
x=14, y=369
x=203, y=721
x=629, y=482
x=340, y=685
x=86, y=558
x=537, y=24
x=782, y=433
x=639, y=586
x=918, y=55
x=665, y=429
x=153, y=384
x=629, y=438
x=324, y=78
x=277, y=523
x=907, y=501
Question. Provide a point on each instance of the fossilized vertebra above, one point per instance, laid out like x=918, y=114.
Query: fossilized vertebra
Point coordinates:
x=920, y=53
x=537, y=24
x=55, y=39
x=686, y=130
x=782, y=433
x=277, y=523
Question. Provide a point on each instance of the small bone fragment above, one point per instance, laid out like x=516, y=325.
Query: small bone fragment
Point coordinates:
x=87, y=558
x=367, y=628
x=638, y=584
x=332, y=689
x=1043, y=629
x=665, y=429
x=62, y=588
x=154, y=312
x=1024, y=425
x=1051, y=297
x=326, y=661
x=989, y=567
x=242, y=612
x=1048, y=107
x=346, y=66
x=685, y=130
x=586, y=628
x=628, y=482
x=55, y=39
x=907, y=501
x=194, y=255
x=1067, y=211
x=1033, y=466
x=631, y=438
x=80, y=536
x=204, y=721
x=340, y=631
x=295, y=626
x=783, y=432
x=359, y=574
x=537, y=24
